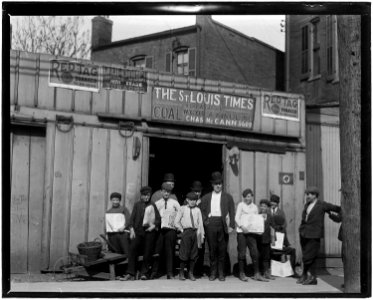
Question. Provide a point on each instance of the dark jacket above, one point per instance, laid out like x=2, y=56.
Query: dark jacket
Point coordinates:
x=313, y=228
x=268, y=223
x=338, y=219
x=137, y=217
x=226, y=207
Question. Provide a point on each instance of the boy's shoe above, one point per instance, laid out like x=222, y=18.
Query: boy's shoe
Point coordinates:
x=259, y=277
x=310, y=281
x=302, y=279
x=191, y=277
x=153, y=276
x=268, y=276
x=212, y=277
x=242, y=277
x=181, y=276
x=170, y=276
x=221, y=278
x=128, y=277
x=144, y=277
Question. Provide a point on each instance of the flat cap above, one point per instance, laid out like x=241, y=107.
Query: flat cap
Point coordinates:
x=192, y=196
x=312, y=190
x=274, y=198
x=145, y=190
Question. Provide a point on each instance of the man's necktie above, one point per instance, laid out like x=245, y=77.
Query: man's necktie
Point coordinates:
x=191, y=217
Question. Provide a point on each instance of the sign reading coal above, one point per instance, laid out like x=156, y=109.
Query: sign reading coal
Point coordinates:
x=124, y=79
x=205, y=109
x=280, y=107
x=74, y=75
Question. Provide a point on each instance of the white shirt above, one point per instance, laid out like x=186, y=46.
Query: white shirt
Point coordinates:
x=215, y=204
x=309, y=208
x=244, y=209
x=168, y=213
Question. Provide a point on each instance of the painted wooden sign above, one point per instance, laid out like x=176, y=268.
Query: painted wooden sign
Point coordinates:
x=206, y=109
x=74, y=75
x=124, y=79
x=280, y=106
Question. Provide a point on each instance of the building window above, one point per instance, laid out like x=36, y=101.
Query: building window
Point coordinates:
x=331, y=49
x=316, y=47
x=142, y=61
x=182, y=61
x=305, y=50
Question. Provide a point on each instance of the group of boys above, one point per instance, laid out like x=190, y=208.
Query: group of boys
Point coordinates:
x=156, y=220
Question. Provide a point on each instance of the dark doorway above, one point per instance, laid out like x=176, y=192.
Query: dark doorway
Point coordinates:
x=187, y=160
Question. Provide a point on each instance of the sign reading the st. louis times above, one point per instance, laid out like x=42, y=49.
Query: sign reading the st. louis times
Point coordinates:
x=124, y=79
x=74, y=75
x=280, y=106
x=205, y=109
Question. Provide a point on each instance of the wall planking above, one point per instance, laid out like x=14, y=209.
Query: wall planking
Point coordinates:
x=26, y=83
x=61, y=199
x=35, y=220
x=19, y=204
x=79, y=187
x=98, y=184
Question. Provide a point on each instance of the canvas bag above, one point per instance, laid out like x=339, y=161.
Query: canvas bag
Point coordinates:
x=281, y=269
x=252, y=223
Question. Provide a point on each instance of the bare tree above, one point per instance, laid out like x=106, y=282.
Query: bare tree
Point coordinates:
x=57, y=35
x=349, y=40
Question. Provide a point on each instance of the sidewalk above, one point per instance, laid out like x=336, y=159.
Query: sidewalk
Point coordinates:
x=327, y=283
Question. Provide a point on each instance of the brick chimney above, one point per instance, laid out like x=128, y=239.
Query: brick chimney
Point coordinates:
x=102, y=29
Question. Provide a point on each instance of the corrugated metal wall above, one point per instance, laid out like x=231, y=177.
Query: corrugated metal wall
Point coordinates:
x=323, y=171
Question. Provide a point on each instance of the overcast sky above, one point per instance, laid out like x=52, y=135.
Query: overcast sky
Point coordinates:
x=264, y=28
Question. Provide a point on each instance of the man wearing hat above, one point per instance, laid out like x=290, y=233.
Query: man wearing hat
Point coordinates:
x=116, y=221
x=168, y=178
x=217, y=206
x=311, y=231
x=166, y=240
x=144, y=223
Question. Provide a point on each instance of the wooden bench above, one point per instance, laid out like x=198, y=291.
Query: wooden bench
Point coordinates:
x=86, y=268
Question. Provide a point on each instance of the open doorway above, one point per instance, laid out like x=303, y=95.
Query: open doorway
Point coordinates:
x=187, y=160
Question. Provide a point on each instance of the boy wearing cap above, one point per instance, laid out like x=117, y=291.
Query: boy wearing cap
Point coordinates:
x=245, y=239
x=217, y=206
x=264, y=241
x=311, y=231
x=166, y=240
x=189, y=221
x=275, y=210
x=116, y=221
x=144, y=223
x=168, y=178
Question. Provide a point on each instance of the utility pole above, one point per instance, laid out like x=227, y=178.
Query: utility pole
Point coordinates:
x=349, y=50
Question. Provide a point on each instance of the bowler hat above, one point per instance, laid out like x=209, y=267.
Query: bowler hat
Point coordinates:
x=115, y=195
x=246, y=192
x=169, y=177
x=196, y=186
x=192, y=196
x=216, y=178
x=275, y=198
x=265, y=201
x=167, y=187
x=145, y=190
x=312, y=190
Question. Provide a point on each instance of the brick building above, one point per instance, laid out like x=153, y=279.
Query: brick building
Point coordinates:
x=207, y=49
x=312, y=70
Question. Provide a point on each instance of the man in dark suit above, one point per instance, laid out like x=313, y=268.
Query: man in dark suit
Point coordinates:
x=216, y=207
x=311, y=231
